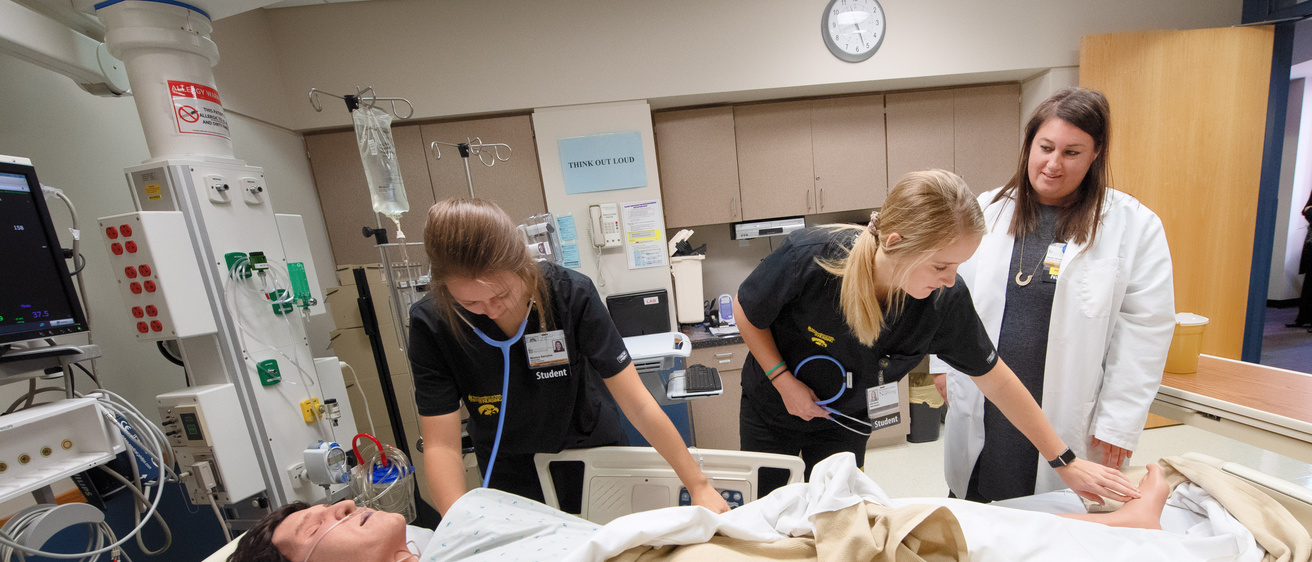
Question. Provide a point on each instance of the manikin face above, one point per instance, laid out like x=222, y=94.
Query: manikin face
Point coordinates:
x=494, y=295
x=367, y=536
x=1060, y=155
x=940, y=270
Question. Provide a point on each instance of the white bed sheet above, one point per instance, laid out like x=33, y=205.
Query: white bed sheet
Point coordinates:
x=488, y=524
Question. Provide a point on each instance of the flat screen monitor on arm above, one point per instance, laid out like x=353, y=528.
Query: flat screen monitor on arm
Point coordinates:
x=37, y=299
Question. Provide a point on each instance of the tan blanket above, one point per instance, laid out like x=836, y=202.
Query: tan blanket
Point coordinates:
x=1274, y=528
x=867, y=531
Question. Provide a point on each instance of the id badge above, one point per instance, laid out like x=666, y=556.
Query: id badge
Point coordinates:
x=1052, y=261
x=546, y=349
x=882, y=406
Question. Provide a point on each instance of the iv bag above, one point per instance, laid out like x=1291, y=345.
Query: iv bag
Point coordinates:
x=373, y=134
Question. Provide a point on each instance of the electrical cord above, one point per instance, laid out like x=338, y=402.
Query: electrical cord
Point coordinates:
x=77, y=273
x=153, y=446
x=363, y=399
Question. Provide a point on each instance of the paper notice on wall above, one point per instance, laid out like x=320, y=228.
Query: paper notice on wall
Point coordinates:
x=565, y=227
x=196, y=109
x=644, y=240
x=570, y=255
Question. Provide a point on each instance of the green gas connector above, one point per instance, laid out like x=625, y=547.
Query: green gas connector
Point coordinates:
x=259, y=263
x=233, y=258
x=269, y=374
x=276, y=296
x=300, y=284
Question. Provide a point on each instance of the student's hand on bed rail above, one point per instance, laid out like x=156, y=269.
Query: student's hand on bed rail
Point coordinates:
x=1093, y=481
x=1108, y=454
x=707, y=497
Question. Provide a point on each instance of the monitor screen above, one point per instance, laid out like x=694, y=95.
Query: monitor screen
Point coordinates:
x=37, y=299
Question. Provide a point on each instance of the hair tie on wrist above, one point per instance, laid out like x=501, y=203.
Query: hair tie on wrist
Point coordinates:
x=771, y=371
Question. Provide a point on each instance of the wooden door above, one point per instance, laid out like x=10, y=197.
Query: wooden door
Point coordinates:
x=774, y=159
x=1188, y=122
x=851, y=165
x=920, y=135
x=986, y=134
x=515, y=184
x=344, y=195
x=698, y=161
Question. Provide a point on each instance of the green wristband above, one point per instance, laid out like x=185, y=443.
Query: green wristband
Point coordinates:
x=771, y=371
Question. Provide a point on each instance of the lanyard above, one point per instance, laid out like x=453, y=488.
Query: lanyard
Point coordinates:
x=504, y=346
x=841, y=389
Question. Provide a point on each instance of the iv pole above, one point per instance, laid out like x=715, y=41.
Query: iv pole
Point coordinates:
x=474, y=146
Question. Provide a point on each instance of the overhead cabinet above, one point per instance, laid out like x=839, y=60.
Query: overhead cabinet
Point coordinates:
x=974, y=132
x=698, y=161
x=811, y=156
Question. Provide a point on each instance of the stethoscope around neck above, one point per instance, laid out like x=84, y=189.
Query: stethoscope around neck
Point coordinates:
x=504, y=346
x=842, y=387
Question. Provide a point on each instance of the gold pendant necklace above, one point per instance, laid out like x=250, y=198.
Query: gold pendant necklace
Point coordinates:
x=1020, y=266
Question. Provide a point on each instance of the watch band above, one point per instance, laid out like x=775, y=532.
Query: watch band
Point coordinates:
x=1063, y=459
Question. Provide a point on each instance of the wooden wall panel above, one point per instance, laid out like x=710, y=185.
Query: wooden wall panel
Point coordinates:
x=1188, y=119
x=920, y=132
x=515, y=185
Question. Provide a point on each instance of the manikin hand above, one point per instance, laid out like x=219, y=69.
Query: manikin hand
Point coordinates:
x=941, y=385
x=1107, y=454
x=707, y=497
x=1092, y=481
x=798, y=398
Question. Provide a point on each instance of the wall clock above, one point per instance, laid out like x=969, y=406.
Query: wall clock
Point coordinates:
x=853, y=29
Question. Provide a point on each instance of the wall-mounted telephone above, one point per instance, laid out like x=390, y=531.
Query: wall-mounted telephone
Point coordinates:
x=605, y=225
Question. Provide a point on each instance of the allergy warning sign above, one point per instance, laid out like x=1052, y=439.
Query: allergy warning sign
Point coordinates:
x=196, y=109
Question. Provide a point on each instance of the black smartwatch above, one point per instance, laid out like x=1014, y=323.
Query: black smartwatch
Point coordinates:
x=1063, y=459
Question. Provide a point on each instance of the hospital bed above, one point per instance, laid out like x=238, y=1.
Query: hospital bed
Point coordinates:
x=1263, y=406
x=1197, y=526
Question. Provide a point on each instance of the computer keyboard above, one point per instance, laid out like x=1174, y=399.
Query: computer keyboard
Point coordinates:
x=700, y=378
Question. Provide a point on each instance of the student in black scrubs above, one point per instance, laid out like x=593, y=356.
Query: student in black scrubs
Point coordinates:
x=875, y=300
x=562, y=362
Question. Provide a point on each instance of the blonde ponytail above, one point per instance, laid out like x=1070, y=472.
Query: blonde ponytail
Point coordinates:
x=929, y=210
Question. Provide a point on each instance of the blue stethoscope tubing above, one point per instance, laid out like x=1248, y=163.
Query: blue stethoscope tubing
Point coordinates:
x=504, y=346
x=841, y=389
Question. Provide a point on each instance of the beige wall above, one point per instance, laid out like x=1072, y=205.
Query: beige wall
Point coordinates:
x=458, y=58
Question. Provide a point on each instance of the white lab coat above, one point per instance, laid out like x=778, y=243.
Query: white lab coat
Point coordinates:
x=1112, y=320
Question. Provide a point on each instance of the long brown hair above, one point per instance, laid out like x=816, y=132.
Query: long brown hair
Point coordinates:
x=471, y=239
x=930, y=210
x=1077, y=222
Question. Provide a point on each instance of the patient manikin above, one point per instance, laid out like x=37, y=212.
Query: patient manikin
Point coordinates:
x=344, y=532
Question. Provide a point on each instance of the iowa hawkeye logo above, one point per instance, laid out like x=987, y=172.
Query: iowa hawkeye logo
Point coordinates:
x=488, y=410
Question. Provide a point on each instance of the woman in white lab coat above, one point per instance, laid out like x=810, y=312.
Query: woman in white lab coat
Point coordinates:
x=1074, y=283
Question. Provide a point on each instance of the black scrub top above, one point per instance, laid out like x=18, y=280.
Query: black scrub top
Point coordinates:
x=798, y=300
x=549, y=409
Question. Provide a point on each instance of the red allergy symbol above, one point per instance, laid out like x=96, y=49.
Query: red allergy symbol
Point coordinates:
x=188, y=113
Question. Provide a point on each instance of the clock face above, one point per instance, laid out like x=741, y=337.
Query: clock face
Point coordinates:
x=853, y=29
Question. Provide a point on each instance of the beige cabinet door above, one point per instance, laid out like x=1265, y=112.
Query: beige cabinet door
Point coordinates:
x=774, y=159
x=851, y=168
x=344, y=193
x=515, y=185
x=698, y=160
x=715, y=418
x=920, y=135
x=987, y=134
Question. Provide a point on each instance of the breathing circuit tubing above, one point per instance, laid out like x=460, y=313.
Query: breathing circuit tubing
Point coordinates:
x=841, y=389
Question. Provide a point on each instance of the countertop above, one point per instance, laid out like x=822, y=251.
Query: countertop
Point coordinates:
x=702, y=338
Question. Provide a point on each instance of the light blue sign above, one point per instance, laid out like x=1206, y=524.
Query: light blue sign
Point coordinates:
x=602, y=162
x=567, y=231
x=570, y=253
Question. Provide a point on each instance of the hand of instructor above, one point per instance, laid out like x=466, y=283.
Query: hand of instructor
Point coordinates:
x=798, y=398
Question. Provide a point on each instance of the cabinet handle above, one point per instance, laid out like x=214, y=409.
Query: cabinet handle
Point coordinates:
x=808, y=200
x=733, y=207
x=729, y=354
x=725, y=360
x=822, y=198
